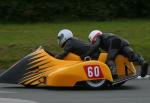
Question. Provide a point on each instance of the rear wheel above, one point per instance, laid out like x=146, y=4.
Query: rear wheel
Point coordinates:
x=30, y=86
x=120, y=84
x=95, y=84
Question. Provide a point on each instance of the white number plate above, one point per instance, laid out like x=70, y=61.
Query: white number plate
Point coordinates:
x=93, y=71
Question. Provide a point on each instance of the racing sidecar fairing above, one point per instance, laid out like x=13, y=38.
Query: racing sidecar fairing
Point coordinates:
x=41, y=69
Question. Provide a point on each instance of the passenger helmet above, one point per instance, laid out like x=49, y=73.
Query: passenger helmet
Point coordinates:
x=63, y=36
x=93, y=35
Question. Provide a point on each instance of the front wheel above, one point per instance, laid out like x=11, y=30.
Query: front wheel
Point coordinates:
x=96, y=84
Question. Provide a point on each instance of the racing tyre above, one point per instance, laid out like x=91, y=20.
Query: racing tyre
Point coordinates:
x=119, y=84
x=96, y=84
x=30, y=86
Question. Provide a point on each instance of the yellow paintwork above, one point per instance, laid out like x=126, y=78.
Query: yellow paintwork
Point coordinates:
x=69, y=75
x=120, y=62
x=50, y=71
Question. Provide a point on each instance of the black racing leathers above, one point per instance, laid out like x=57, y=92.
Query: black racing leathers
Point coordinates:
x=114, y=46
x=77, y=47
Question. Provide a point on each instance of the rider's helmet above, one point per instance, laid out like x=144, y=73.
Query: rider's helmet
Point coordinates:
x=63, y=36
x=93, y=35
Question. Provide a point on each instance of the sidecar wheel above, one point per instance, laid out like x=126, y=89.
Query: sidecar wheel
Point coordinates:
x=96, y=84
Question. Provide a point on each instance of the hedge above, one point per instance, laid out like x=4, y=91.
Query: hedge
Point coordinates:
x=51, y=10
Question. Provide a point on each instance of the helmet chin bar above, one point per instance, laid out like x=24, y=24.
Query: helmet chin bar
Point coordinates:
x=59, y=43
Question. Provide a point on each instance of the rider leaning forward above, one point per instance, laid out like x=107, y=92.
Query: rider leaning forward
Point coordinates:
x=115, y=45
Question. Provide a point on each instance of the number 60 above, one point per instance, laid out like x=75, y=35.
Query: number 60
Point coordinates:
x=93, y=71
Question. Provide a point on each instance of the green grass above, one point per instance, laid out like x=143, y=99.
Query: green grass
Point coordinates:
x=17, y=40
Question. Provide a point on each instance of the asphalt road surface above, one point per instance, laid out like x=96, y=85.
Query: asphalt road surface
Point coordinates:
x=134, y=91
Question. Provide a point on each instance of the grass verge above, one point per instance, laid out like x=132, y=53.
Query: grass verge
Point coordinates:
x=17, y=40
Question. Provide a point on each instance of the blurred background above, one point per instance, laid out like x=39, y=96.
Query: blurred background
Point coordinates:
x=27, y=24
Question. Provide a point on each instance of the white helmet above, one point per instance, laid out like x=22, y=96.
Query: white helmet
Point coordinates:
x=94, y=34
x=63, y=36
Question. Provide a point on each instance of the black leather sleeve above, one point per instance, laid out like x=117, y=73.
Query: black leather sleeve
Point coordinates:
x=93, y=47
x=62, y=54
x=65, y=52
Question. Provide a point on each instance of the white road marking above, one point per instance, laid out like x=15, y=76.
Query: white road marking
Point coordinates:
x=6, y=92
x=12, y=100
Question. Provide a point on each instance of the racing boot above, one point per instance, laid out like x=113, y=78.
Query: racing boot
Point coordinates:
x=144, y=65
x=133, y=57
x=144, y=69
